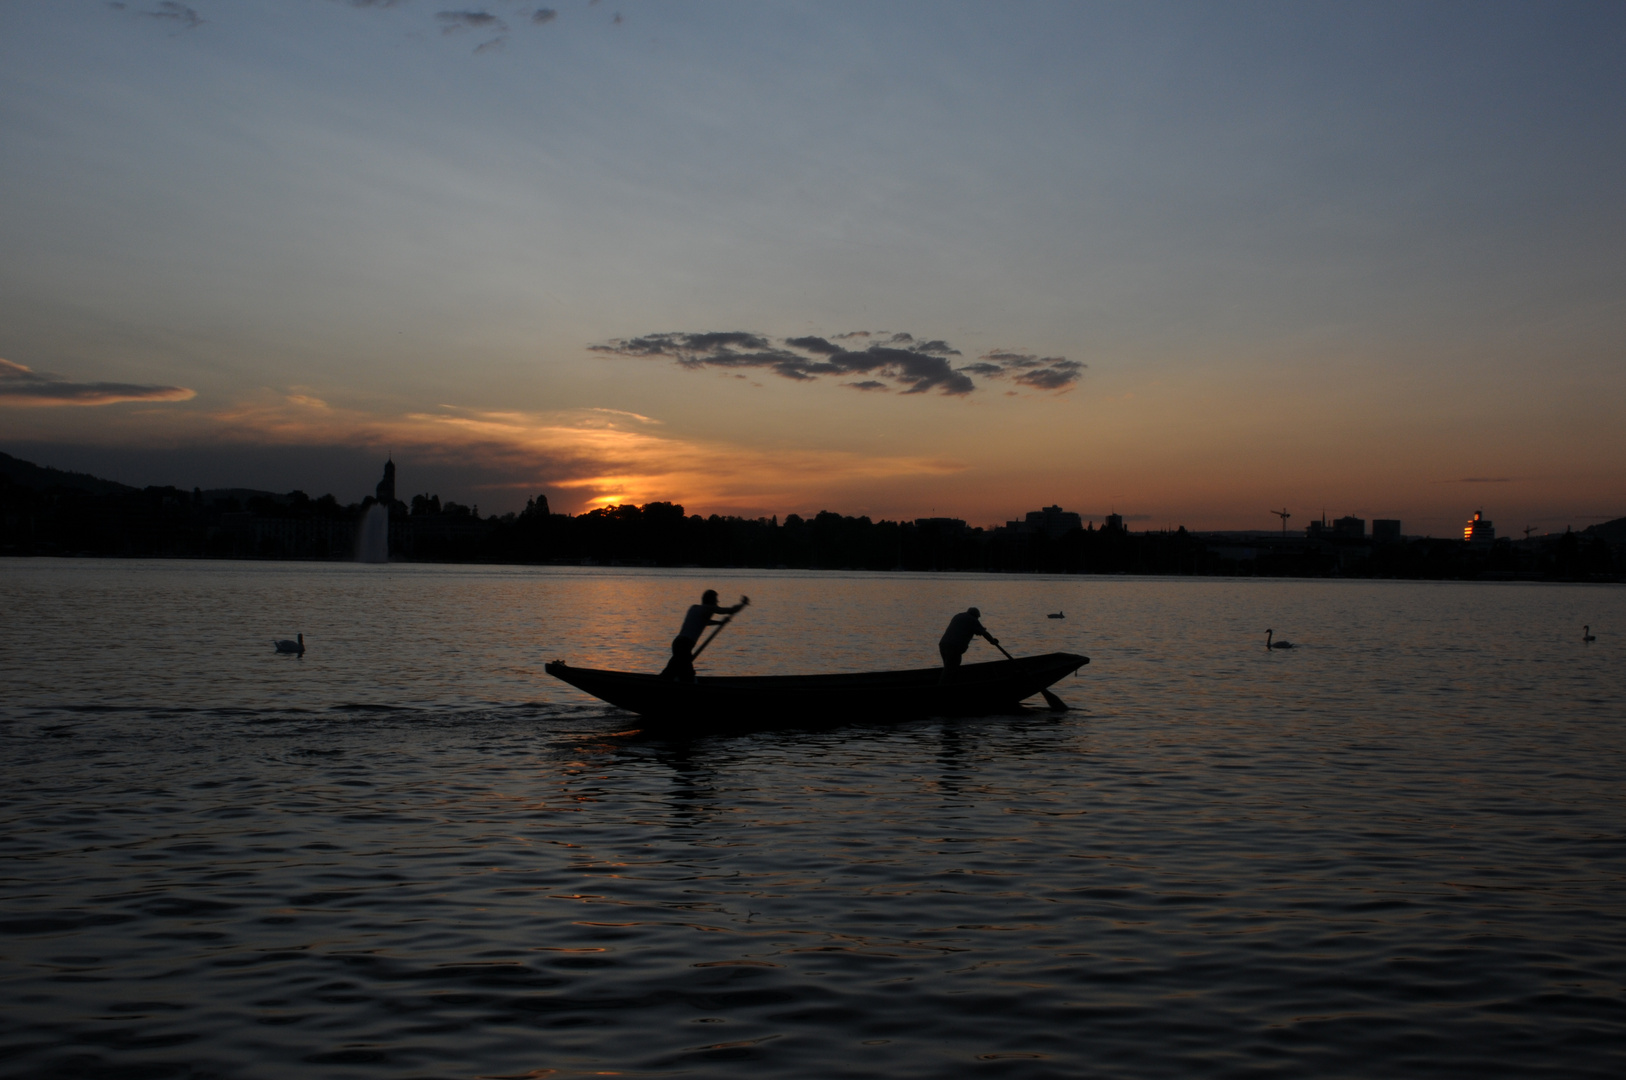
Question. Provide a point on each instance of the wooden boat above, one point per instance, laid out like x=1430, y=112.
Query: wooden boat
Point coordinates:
x=735, y=700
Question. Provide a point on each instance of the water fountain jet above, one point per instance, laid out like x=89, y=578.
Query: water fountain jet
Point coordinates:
x=373, y=538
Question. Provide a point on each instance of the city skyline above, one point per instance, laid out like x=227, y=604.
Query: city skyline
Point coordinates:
x=1188, y=263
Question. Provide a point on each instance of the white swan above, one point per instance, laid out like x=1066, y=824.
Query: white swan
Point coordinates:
x=1586, y=634
x=295, y=647
x=1276, y=644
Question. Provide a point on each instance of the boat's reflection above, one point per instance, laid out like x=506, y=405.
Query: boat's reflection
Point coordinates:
x=704, y=768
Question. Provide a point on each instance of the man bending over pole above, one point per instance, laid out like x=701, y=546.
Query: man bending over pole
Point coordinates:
x=957, y=638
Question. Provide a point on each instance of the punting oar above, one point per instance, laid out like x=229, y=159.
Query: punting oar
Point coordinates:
x=1056, y=704
x=744, y=600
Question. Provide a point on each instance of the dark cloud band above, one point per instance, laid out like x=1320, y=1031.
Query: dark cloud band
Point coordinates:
x=913, y=366
x=20, y=385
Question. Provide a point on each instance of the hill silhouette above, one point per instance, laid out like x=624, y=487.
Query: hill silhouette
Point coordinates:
x=44, y=478
x=1613, y=532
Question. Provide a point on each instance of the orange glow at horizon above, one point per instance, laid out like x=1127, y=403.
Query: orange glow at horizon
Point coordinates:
x=607, y=457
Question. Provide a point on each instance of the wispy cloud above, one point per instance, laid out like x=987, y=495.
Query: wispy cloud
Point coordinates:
x=589, y=457
x=456, y=22
x=1038, y=372
x=179, y=14
x=640, y=417
x=452, y=22
x=22, y=386
x=910, y=364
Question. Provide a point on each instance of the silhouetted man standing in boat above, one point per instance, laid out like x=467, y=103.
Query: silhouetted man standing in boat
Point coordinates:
x=957, y=639
x=681, y=667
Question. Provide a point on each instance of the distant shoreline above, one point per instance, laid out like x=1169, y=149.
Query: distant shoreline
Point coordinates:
x=1491, y=577
x=48, y=512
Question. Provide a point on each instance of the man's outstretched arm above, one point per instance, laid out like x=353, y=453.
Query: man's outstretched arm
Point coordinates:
x=744, y=600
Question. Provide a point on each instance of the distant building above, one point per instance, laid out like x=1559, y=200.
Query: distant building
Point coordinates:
x=1385, y=531
x=1052, y=521
x=1114, y=523
x=1349, y=527
x=1478, y=531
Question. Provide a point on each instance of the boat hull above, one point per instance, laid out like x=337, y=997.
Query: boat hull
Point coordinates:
x=733, y=700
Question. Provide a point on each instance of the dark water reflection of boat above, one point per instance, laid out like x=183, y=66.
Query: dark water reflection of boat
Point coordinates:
x=755, y=700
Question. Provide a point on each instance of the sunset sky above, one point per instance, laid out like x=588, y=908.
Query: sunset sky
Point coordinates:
x=1191, y=262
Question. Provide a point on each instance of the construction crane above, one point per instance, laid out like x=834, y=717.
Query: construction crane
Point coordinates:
x=1528, y=529
x=1284, y=515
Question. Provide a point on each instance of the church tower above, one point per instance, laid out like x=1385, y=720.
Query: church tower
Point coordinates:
x=386, y=486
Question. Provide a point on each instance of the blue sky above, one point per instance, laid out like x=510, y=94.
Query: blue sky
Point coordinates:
x=1362, y=257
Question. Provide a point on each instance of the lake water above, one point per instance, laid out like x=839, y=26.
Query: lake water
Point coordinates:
x=1397, y=850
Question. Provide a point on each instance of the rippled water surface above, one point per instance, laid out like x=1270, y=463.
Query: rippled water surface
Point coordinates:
x=1395, y=850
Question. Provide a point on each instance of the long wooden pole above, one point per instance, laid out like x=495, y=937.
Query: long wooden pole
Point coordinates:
x=726, y=620
x=1056, y=704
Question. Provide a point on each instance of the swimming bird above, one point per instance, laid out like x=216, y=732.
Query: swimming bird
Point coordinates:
x=1586, y=634
x=1057, y=615
x=295, y=647
x=1276, y=644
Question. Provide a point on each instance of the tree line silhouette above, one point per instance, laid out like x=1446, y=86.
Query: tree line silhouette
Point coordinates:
x=48, y=512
